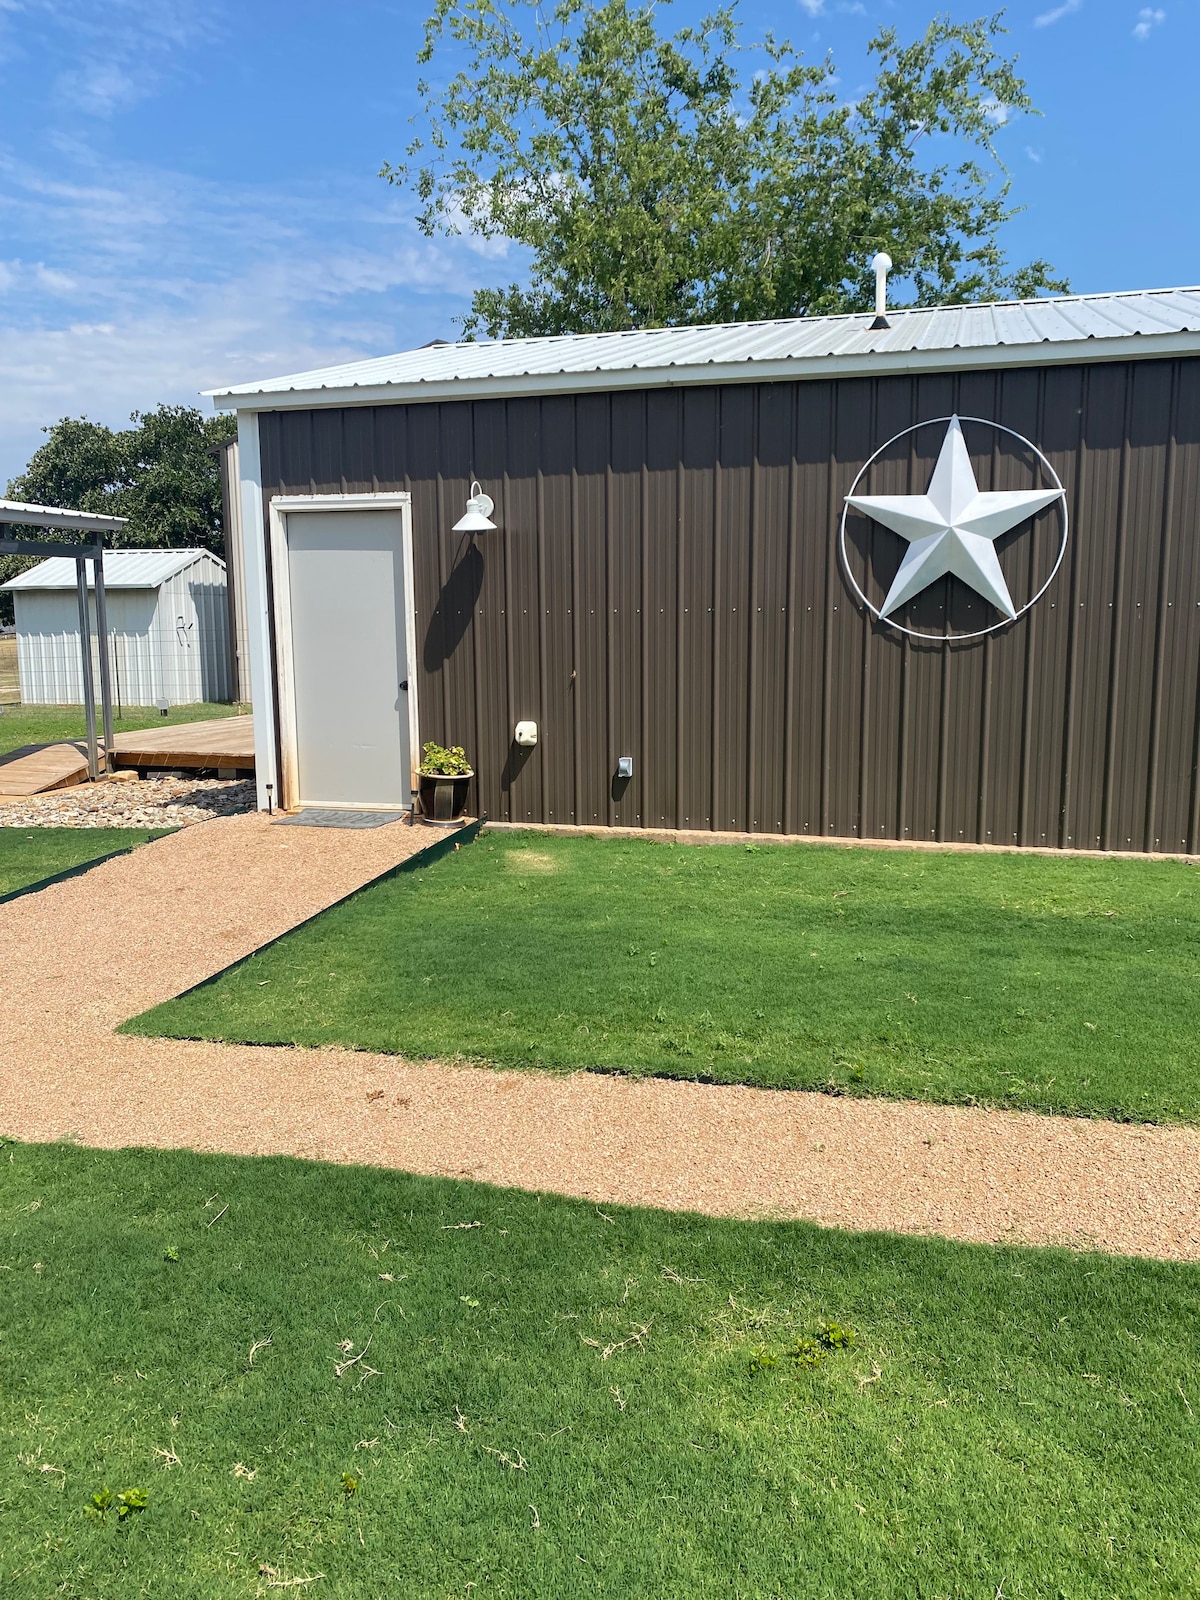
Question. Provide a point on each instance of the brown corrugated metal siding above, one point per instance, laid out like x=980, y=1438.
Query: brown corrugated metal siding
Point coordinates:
x=665, y=584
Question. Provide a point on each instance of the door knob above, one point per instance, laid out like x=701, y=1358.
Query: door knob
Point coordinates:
x=404, y=685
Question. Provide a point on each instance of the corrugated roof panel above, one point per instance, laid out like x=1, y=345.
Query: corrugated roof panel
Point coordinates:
x=976, y=327
x=1006, y=325
x=1016, y=325
x=1176, y=303
x=123, y=569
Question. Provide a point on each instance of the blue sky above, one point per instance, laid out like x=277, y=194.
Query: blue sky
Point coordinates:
x=188, y=193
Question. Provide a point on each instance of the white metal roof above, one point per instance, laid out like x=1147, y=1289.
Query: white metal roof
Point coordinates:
x=1095, y=327
x=16, y=511
x=123, y=569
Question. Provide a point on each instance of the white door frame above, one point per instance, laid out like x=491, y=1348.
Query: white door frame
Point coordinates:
x=281, y=506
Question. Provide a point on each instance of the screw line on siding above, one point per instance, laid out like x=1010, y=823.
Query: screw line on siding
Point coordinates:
x=862, y=809
x=511, y=613
x=543, y=611
x=1031, y=635
x=714, y=803
x=827, y=663
x=1193, y=624
x=576, y=756
x=1080, y=500
x=1118, y=608
x=943, y=736
x=752, y=672
x=679, y=690
x=1160, y=619
x=789, y=645
x=476, y=630
x=610, y=647
x=903, y=716
x=985, y=704
x=443, y=579
x=650, y=791
x=985, y=743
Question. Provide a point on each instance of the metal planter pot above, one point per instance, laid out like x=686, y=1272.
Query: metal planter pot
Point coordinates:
x=443, y=799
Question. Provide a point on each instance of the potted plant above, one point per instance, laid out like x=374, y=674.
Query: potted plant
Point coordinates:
x=444, y=782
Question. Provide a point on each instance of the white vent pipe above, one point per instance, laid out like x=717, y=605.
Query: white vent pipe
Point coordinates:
x=882, y=265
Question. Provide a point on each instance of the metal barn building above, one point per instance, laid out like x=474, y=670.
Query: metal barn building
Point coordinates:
x=934, y=580
x=167, y=621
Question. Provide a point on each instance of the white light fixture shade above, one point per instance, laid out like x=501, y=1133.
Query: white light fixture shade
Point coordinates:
x=477, y=517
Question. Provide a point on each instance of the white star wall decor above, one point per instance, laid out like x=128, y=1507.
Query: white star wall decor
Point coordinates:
x=952, y=528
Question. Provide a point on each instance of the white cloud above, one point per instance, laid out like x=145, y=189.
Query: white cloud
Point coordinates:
x=1048, y=18
x=124, y=286
x=996, y=111
x=1149, y=17
x=122, y=48
x=1034, y=155
x=814, y=7
x=53, y=281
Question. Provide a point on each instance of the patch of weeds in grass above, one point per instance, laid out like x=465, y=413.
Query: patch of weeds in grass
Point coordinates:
x=805, y=1354
x=808, y=1352
x=126, y=1504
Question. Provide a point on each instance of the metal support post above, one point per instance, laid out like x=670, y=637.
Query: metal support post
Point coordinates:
x=106, y=701
x=85, y=647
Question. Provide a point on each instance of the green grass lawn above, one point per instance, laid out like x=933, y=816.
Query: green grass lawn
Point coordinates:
x=425, y=1388
x=21, y=725
x=1062, y=984
x=28, y=856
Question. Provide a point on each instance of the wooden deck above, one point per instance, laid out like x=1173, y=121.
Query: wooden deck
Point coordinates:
x=225, y=744
x=37, y=768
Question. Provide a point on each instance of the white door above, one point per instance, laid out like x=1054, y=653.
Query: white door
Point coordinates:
x=349, y=654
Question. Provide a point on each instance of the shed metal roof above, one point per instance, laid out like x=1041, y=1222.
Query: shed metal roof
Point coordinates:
x=1144, y=322
x=21, y=514
x=123, y=569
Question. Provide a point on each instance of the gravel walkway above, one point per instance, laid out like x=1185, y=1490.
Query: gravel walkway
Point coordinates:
x=131, y=803
x=84, y=954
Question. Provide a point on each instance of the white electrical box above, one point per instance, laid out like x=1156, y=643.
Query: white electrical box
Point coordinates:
x=526, y=733
x=624, y=766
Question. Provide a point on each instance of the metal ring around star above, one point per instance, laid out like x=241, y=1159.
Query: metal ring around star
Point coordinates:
x=1005, y=622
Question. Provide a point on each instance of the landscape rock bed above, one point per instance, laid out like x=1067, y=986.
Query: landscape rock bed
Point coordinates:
x=145, y=803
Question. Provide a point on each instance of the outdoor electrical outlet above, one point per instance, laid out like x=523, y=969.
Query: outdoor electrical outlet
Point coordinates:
x=624, y=766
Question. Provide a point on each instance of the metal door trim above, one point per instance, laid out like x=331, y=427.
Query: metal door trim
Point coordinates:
x=282, y=506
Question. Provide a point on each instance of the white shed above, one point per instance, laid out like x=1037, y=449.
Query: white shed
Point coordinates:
x=168, y=625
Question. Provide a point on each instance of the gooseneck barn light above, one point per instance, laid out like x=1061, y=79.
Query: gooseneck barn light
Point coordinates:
x=477, y=517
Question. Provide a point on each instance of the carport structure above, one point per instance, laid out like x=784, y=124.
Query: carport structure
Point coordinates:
x=13, y=514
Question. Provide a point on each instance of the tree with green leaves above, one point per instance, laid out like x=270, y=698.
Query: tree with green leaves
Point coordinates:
x=161, y=473
x=655, y=182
